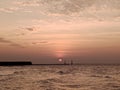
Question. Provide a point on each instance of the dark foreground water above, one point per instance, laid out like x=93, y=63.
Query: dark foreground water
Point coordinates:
x=75, y=77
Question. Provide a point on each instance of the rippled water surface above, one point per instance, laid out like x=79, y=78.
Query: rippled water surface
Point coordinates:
x=75, y=77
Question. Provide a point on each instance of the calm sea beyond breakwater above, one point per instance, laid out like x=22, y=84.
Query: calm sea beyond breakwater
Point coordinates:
x=60, y=77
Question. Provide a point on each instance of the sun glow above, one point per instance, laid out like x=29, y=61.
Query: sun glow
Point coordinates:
x=60, y=59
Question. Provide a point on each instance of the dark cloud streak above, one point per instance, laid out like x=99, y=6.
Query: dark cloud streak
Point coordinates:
x=41, y=42
x=30, y=29
x=2, y=40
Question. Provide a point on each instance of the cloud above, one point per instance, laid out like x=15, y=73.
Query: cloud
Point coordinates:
x=9, y=10
x=2, y=40
x=26, y=29
x=97, y=9
x=41, y=42
x=22, y=34
x=30, y=29
x=16, y=45
x=27, y=3
x=85, y=8
x=23, y=30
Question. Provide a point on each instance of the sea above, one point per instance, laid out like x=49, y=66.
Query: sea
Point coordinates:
x=60, y=77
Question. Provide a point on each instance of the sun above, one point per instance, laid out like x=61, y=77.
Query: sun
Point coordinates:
x=60, y=59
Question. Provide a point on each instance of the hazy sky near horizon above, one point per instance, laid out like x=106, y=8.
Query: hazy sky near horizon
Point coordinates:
x=44, y=30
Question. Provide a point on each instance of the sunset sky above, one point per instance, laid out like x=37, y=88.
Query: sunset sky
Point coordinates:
x=42, y=31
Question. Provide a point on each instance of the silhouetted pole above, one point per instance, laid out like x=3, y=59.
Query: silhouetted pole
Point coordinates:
x=64, y=62
x=71, y=62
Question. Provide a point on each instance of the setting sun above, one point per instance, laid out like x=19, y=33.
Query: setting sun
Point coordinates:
x=60, y=59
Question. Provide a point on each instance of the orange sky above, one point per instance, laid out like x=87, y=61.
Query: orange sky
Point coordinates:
x=87, y=31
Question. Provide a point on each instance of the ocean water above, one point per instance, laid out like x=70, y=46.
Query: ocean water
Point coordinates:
x=60, y=77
